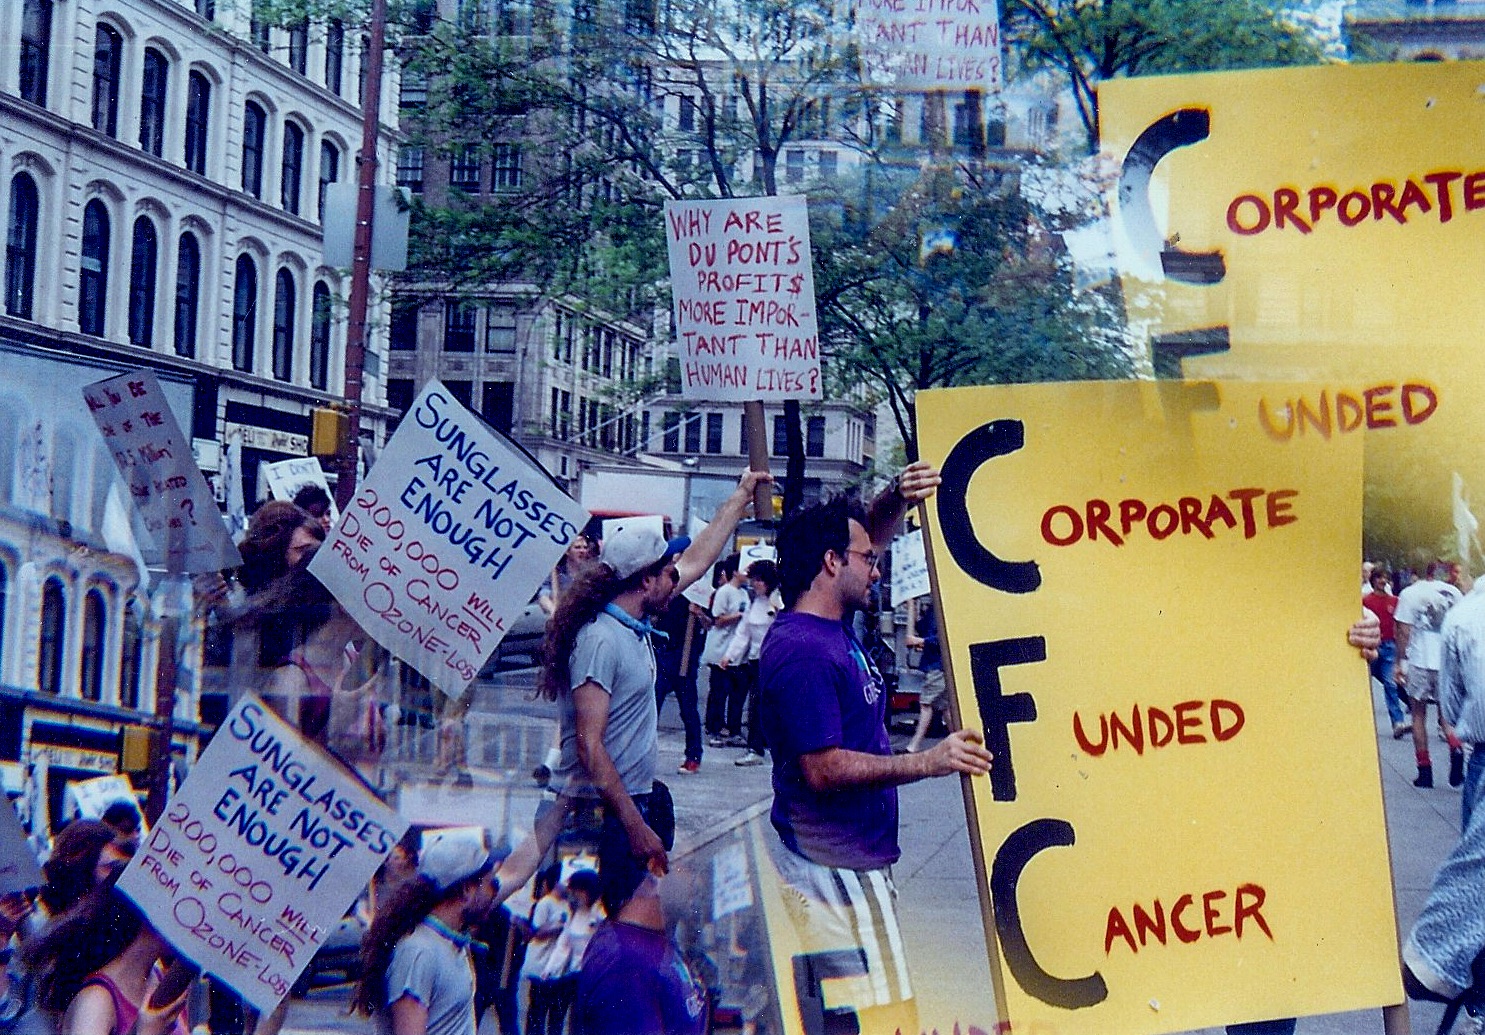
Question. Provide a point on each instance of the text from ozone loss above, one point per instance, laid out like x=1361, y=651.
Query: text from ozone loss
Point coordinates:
x=458, y=497
x=235, y=871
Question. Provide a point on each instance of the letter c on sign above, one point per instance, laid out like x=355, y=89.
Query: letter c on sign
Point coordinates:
x=986, y=442
x=1005, y=874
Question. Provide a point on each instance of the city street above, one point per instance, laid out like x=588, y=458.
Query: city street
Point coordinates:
x=940, y=905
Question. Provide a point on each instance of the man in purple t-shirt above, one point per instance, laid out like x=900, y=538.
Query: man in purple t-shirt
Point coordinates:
x=835, y=778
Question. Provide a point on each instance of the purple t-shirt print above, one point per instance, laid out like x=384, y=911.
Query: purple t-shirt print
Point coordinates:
x=820, y=690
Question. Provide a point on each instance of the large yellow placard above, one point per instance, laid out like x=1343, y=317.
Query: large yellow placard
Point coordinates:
x=1325, y=224
x=1144, y=604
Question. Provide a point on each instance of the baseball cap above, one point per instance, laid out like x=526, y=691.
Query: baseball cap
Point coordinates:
x=636, y=547
x=450, y=856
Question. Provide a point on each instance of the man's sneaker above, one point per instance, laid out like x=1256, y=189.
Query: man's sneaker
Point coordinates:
x=737, y=740
x=751, y=758
x=689, y=767
x=716, y=740
x=1425, y=776
x=1401, y=730
x=1456, y=767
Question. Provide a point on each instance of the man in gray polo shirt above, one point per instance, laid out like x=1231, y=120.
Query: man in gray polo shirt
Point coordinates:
x=600, y=668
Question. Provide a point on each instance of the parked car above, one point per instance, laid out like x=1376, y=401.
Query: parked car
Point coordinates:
x=522, y=645
x=338, y=959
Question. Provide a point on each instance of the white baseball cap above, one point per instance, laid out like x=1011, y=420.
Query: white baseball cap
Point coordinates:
x=636, y=547
x=452, y=855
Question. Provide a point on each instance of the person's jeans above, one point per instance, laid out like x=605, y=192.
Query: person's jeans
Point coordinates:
x=684, y=688
x=1474, y=784
x=724, y=701
x=747, y=675
x=1384, y=671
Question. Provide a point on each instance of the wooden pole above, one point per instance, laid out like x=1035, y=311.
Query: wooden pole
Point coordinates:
x=758, y=458
x=355, y=344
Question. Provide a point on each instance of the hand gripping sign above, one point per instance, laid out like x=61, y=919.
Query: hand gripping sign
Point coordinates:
x=1145, y=623
x=446, y=541
x=259, y=854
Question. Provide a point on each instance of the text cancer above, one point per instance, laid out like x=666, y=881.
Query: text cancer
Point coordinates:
x=1063, y=525
x=1438, y=194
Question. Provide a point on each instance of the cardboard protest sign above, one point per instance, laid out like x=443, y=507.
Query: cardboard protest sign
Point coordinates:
x=1119, y=617
x=165, y=485
x=930, y=44
x=909, y=568
x=744, y=291
x=19, y=870
x=91, y=798
x=1319, y=223
x=286, y=477
x=445, y=541
x=259, y=854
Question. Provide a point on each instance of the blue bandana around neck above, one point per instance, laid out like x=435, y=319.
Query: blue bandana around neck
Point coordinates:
x=641, y=627
x=462, y=941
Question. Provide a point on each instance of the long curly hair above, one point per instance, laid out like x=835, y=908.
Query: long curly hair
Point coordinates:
x=406, y=906
x=71, y=871
x=587, y=596
x=82, y=941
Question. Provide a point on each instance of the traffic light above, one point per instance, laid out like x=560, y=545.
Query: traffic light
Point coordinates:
x=134, y=748
x=329, y=431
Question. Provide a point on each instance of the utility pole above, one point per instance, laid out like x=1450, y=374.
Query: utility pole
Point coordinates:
x=355, y=345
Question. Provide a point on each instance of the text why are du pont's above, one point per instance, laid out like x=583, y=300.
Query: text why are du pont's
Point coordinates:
x=744, y=299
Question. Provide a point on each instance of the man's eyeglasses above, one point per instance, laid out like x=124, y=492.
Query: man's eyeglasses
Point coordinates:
x=871, y=557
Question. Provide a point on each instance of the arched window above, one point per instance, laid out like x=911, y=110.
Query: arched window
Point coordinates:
x=283, y=325
x=36, y=44
x=198, y=121
x=53, y=632
x=108, y=56
x=144, y=259
x=92, y=288
x=329, y=171
x=293, y=165
x=244, y=313
x=152, y=95
x=20, y=246
x=93, y=631
x=319, y=338
x=334, y=54
x=254, y=126
x=187, y=294
x=131, y=658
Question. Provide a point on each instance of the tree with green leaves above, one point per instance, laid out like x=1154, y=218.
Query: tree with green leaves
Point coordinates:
x=1089, y=41
x=961, y=283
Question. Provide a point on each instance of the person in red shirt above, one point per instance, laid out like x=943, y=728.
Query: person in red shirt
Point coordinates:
x=1380, y=602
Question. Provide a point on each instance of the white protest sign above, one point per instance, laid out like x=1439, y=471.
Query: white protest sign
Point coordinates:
x=744, y=293
x=699, y=592
x=732, y=887
x=909, y=568
x=930, y=44
x=259, y=854
x=755, y=552
x=165, y=485
x=445, y=541
x=18, y=867
x=92, y=797
x=286, y=477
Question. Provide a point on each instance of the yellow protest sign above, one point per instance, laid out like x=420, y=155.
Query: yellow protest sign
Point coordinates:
x=1320, y=223
x=1144, y=602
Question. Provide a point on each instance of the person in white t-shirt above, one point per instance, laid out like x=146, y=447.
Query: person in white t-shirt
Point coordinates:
x=1419, y=619
x=548, y=919
x=725, y=694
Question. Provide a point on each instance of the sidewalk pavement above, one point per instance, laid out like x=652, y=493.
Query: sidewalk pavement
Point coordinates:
x=936, y=879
